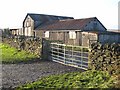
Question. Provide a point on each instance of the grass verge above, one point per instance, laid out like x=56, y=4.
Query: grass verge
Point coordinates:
x=88, y=79
x=12, y=55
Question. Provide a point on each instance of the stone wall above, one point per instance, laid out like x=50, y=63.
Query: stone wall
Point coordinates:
x=30, y=45
x=105, y=57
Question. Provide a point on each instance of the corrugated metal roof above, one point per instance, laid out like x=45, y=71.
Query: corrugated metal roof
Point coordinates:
x=71, y=24
x=38, y=17
x=43, y=18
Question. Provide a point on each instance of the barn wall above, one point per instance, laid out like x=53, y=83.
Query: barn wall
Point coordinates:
x=85, y=39
x=66, y=37
x=63, y=36
x=78, y=39
x=82, y=38
x=93, y=37
x=39, y=33
x=70, y=41
x=29, y=23
x=89, y=38
x=94, y=25
x=57, y=35
x=53, y=36
x=20, y=31
x=15, y=32
x=109, y=38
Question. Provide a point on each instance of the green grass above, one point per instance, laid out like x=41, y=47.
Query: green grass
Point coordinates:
x=12, y=55
x=77, y=48
x=88, y=79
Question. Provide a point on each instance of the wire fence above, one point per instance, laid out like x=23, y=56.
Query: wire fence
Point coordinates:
x=76, y=56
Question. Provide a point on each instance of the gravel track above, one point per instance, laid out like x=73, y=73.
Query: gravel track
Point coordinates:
x=14, y=75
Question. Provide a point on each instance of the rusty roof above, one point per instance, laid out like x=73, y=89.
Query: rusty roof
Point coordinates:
x=71, y=24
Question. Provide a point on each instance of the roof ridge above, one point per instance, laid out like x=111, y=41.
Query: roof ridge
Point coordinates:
x=77, y=19
x=47, y=14
x=86, y=18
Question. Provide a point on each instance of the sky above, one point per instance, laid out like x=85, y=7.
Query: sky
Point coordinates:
x=13, y=12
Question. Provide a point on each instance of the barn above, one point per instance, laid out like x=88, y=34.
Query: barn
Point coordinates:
x=73, y=31
x=81, y=32
x=32, y=21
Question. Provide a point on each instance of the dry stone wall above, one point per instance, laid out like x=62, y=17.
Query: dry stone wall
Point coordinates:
x=30, y=45
x=105, y=57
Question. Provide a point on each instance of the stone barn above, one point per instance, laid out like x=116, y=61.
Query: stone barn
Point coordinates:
x=81, y=32
x=32, y=21
x=73, y=31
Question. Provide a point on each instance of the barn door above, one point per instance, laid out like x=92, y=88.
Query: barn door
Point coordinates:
x=85, y=39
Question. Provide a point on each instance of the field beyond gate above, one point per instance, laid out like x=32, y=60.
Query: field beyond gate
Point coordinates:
x=76, y=56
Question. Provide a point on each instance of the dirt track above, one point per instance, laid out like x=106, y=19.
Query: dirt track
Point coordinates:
x=18, y=74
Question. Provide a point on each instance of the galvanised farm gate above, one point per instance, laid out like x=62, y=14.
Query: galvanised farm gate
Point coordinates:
x=76, y=56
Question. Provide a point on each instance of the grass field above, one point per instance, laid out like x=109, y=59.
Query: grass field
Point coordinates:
x=88, y=79
x=12, y=55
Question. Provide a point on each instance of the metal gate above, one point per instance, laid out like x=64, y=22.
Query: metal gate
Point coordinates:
x=76, y=56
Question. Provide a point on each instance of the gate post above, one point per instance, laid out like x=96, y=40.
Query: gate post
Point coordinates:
x=45, y=49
